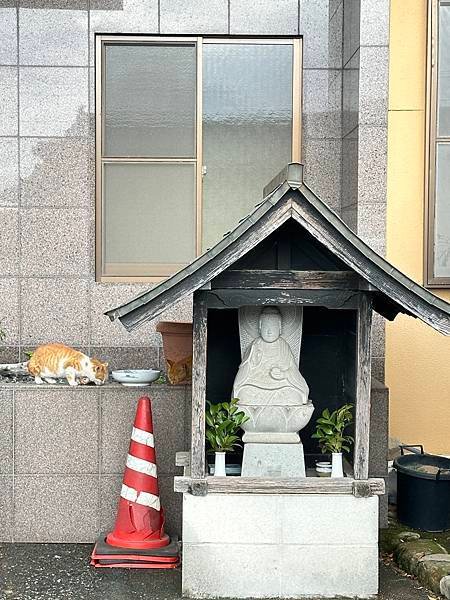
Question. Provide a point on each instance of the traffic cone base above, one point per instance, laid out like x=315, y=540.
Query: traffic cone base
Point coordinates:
x=105, y=555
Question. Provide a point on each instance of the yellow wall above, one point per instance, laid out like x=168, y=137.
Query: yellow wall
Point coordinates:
x=417, y=358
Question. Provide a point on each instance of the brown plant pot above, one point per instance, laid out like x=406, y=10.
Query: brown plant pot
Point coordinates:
x=177, y=345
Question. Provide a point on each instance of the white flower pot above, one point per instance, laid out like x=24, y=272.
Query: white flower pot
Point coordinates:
x=219, y=465
x=336, y=465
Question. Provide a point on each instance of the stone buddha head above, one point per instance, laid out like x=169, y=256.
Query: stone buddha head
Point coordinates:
x=270, y=324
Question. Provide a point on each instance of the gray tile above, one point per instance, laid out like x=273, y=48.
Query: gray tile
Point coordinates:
x=8, y=101
x=372, y=164
x=349, y=215
x=378, y=335
x=56, y=508
x=118, y=412
x=374, y=26
x=6, y=431
x=54, y=310
x=55, y=4
x=107, y=333
x=260, y=17
x=371, y=220
x=322, y=100
x=350, y=95
x=333, y=6
x=323, y=169
x=378, y=368
x=55, y=241
x=9, y=311
x=143, y=357
x=351, y=43
x=373, y=85
x=172, y=502
x=9, y=241
x=194, y=16
x=110, y=486
x=9, y=354
x=53, y=101
x=8, y=34
x=322, y=40
x=349, y=190
x=55, y=172
x=9, y=176
x=64, y=422
x=128, y=16
x=53, y=37
x=6, y=508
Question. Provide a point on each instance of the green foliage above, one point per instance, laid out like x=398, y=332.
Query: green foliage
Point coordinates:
x=29, y=353
x=330, y=429
x=223, y=421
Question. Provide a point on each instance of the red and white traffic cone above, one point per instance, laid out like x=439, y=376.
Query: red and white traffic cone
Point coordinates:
x=138, y=539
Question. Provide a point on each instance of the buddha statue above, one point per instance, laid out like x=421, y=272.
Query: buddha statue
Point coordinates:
x=270, y=388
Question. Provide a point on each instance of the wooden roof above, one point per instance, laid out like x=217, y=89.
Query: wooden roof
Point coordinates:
x=288, y=197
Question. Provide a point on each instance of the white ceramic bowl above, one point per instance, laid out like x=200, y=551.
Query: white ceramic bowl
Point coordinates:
x=135, y=377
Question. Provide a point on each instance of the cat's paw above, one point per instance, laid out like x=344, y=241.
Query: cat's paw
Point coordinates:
x=73, y=382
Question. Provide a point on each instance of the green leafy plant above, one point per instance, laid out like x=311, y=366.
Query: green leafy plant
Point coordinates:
x=223, y=421
x=29, y=353
x=330, y=429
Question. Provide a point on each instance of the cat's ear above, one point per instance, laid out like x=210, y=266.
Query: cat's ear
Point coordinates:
x=169, y=362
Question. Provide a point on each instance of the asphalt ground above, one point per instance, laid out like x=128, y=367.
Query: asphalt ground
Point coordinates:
x=62, y=572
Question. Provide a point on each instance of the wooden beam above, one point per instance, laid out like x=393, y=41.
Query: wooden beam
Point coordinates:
x=260, y=485
x=199, y=341
x=287, y=279
x=228, y=298
x=363, y=384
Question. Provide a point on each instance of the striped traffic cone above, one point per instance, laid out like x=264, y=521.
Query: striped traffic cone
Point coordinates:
x=138, y=539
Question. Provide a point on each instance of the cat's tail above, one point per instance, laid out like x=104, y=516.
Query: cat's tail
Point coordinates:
x=17, y=368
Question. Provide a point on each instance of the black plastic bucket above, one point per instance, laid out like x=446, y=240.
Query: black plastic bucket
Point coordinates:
x=423, y=491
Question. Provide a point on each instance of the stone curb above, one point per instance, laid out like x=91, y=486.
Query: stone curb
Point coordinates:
x=425, y=559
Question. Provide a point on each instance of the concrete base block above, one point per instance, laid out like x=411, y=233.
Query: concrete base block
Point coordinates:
x=280, y=546
x=273, y=460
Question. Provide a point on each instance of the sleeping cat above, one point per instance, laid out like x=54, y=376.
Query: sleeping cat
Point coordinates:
x=53, y=361
x=179, y=371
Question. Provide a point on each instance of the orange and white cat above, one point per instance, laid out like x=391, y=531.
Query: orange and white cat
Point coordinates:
x=53, y=361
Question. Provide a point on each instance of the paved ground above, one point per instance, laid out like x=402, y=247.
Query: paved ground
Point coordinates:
x=62, y=572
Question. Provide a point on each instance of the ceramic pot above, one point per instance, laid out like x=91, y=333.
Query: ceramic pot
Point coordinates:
x=323, y=469
x=219, y=465
x=177, y=345
x=336, y=465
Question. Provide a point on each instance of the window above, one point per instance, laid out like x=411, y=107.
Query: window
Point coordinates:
x=188, y=132
x=438, y=222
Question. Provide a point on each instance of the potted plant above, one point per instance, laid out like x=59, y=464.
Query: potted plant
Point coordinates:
x=177, y=345
x=330, y=429
x=223, y=421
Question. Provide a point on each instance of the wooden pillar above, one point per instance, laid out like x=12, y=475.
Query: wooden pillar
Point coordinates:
x=199, y=342
x=363, y=385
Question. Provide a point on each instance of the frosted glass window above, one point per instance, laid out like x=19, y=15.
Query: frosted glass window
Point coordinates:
x=148, y=216
x=247, y=128
x=444, y=71
x=150, y=100
x=442, y=212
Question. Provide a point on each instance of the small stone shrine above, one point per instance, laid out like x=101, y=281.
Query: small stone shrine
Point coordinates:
x=282, y=320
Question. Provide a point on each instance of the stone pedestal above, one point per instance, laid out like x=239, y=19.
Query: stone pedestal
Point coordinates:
x=280, y=546
x=273, y=460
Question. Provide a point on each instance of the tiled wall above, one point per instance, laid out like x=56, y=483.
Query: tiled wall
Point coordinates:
x=62, y=455
x=47, y=287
